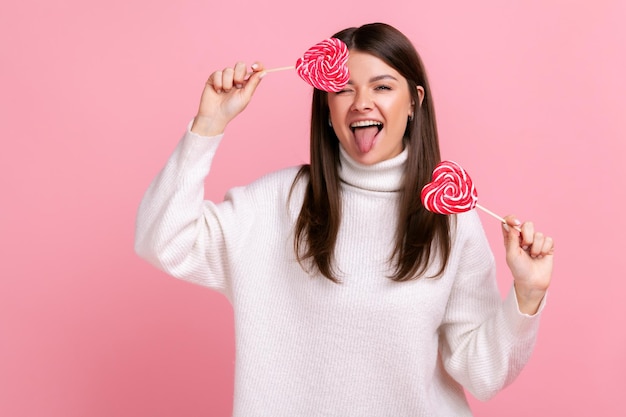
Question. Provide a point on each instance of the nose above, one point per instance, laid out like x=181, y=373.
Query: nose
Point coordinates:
x=362, y=101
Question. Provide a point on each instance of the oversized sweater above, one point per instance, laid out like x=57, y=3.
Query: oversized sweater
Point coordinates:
x=306, y=346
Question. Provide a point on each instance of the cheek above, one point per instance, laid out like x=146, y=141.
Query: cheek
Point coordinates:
x=401, y=114
x=334, y=110
x=339, y=106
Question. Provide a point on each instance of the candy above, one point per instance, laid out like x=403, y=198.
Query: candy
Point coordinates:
x=450, y=191
x=324, y=65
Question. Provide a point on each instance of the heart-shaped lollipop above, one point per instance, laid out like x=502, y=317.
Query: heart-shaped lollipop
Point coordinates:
x=452, y=191
x=324, y=65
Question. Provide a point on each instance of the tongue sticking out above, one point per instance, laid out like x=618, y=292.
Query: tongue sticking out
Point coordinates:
x=365, y=137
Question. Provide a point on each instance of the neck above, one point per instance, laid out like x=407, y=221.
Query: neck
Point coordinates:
x=384, y=176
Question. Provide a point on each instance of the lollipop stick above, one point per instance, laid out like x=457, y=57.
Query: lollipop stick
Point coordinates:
x=273, y=70
x=280, y=69
x=491, y=213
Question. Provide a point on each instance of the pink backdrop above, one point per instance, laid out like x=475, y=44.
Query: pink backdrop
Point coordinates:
x=95, y=94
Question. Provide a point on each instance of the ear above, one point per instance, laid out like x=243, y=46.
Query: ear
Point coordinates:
x=420, y=93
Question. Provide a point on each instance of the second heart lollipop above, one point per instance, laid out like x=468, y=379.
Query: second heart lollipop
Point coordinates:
x=452, y=191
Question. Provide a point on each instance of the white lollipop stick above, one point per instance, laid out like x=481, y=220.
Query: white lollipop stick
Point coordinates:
x=491, y=213
x=273, y=70
x=280, y=69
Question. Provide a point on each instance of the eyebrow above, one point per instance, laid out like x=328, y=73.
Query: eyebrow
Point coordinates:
x=378, y=78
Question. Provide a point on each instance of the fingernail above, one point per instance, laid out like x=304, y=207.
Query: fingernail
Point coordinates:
x=239, y=85
x=525, y=247
x=517, y=222
x=254, y=66
x=263, y=74
x=506, y=227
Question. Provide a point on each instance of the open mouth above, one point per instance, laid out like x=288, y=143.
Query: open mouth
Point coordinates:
x=366, y=124
x=365, y=133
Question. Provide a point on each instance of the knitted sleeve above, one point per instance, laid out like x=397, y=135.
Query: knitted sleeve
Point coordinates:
x=485, y=342
x=178, y=231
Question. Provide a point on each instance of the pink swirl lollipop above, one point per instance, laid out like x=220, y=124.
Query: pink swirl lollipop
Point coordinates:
x=450, y=191
x=324, y=65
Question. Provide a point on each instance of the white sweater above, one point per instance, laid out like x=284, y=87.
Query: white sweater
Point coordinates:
x=306, y=346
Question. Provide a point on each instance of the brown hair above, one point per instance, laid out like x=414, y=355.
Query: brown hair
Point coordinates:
x=320, y=216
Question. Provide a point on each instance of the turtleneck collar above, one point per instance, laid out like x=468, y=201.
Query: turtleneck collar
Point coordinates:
x=382, y=176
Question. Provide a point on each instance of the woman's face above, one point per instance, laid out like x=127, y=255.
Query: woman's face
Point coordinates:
x=369, y=116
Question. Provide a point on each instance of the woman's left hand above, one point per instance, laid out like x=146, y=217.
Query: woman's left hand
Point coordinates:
x=529, y=255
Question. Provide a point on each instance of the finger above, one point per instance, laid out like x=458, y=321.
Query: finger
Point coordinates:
x=548, y=246
x=510, y=222
x=215, y=80
x=527, y=235
x=510, y=233
x=536, y=248
x=239, y=74
x=257, y=66
x=227, y=79
x=253, y=82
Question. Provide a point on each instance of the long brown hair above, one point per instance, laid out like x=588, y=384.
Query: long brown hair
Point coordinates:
x=320, y=216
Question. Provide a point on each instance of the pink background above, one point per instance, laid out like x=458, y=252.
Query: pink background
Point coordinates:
x=94, y=95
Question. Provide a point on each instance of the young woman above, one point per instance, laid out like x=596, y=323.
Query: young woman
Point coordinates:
x=349, y=298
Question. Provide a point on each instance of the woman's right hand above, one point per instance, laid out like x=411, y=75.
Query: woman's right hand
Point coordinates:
x=226, y=94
